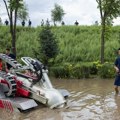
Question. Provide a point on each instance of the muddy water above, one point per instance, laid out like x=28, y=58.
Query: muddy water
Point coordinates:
x=91, y=99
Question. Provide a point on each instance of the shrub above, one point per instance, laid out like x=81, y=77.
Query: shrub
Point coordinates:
x=94, y=67
x=106, y=70
x=68, y=70
x=81, y=71
x=58, y=72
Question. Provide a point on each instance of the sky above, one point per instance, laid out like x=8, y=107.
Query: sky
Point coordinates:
x=84, y=11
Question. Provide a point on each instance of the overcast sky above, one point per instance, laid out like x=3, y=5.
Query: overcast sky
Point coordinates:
x=84, y=11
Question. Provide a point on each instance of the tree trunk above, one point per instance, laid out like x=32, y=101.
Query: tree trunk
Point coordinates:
x=13, y=34
x=14, y=31
x=14, y=43
x=102, y=40
x=12, y=24
x=54, y=23
x=11, y=27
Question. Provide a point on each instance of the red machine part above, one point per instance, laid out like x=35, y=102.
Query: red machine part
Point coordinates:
x=7, y=105
x=1, y=104
x=20, y=91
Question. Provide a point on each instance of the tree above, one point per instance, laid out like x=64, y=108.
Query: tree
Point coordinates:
x=57, y=14
x=109, y=9
x=23, y=13
x=13, y=7
x=49, y=46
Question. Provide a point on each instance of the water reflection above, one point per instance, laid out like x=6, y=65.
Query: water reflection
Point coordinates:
x=90, y=99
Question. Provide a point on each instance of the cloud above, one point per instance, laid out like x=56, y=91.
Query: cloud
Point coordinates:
x=116, y=21
x=84, y=11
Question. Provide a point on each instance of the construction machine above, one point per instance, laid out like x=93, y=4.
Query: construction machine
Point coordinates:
x=24, y=86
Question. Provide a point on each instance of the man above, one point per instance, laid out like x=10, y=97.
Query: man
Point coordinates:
x=29, y=23
x=23, y=23
x=76, y=23
x=8, y=66
x=6, y=22
x=117, y=69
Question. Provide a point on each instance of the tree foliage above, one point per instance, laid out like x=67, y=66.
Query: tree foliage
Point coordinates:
x=49, y=46
x=57, y=13
x=13, y=7
x=109, y=9
x=23, y=13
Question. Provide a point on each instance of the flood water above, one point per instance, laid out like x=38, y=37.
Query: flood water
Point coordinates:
x=90, y=99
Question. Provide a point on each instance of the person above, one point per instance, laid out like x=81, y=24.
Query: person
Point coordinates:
x=23, y=23
x=76, y=23
x=0, y=64
x=6, y=22
x=42, y=22
x=29, y=23
x=62, y=23
x=8, y=66
x=47, y=22
x=117, y=69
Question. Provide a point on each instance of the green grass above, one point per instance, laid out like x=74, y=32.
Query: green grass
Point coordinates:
x=76, y=43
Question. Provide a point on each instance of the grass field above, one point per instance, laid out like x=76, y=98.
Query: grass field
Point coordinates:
x=76, y=43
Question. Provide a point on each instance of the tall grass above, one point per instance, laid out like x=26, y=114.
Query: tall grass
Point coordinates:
x=76, y=43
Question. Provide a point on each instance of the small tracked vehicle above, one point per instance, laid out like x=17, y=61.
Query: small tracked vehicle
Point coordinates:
x=26, y=85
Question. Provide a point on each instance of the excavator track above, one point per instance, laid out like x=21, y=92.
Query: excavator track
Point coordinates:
x=35, y=66
x=10, y=61
x=15, y=65
x=10, y=82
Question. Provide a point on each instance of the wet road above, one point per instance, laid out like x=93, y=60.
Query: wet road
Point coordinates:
x=90, y=99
